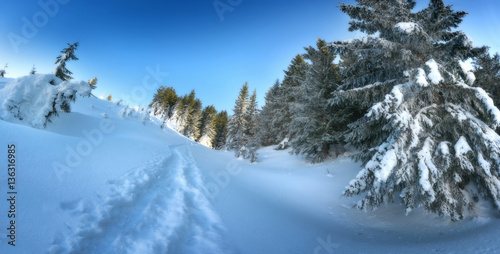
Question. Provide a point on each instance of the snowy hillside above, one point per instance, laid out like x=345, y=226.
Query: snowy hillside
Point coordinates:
x=94, y=182
x=4, y=81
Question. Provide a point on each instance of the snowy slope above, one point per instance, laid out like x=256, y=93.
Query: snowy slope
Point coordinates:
x=93, y=182
x=4, y=81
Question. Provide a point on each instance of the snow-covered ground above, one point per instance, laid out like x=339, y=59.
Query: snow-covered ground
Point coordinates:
x=94, y=182
x=4, y=81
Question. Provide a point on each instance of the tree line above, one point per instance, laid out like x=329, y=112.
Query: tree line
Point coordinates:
x=185, y=114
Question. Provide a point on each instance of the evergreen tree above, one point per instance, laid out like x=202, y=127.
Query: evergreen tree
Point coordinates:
x=220, y=126
x=33, y=70
x=207, y=126
x=267, y=130
x=184, y=110
x=93, y=83
x=312, y=113
x=487, y=71
x=191, y=129
x=164, y=102
x=110, y=97
x=236, y=139
x=67, y=54
x=179, y=109
x=252, y=124
x=286, y=97
x=2, y=71
x=415, y=139
x=251, y=115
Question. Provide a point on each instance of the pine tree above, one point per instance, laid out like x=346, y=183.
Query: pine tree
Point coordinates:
x=93, y=83
x=487, y=71
x=164, y=101
x=236, y=140
x=2, y=71
x=207, y=126
x=67, y=54
x=220, y=126
x=191, y=129
x=312, y=113
x=33, y=70
x=184, y=110
x=251, y=115
x=110, y=97
x=423, y=116
x=286, y=97
x=252, y=124
x=267, y=131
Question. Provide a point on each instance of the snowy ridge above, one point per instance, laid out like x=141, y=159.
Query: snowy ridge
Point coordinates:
x=156, y=208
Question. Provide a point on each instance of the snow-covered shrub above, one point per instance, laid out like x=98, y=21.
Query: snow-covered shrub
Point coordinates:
x=37, y=98
x=126, y=112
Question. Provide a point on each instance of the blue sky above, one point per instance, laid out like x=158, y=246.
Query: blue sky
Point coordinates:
x=122, y=42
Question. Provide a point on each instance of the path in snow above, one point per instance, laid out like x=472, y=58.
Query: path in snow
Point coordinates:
x=156, y=208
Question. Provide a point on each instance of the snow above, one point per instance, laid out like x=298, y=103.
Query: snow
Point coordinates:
x=407, y=27
x=427, y=168
x=434, y=74
x=88, y=184
x=383, y=163
x=467, y=68
x=485, y=165
x=4, y=81
x=421, y=79
x=462, y=147
x=487, y=102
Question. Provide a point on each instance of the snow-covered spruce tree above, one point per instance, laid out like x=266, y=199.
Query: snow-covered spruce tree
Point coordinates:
x=287, y=95
x=265, y=132
x=67, y=54
x=487, y=71
x=207, y=126
x=220, y=126
x=252, y=124
x=416, y=139
x=236, y=139
x=312, y=112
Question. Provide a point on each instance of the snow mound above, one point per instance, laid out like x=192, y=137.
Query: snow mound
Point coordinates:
x=37, y=98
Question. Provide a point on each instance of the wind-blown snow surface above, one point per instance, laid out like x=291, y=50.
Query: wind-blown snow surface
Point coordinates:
x=88, y=184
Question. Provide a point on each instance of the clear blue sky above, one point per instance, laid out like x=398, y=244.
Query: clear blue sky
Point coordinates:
x=120, y=39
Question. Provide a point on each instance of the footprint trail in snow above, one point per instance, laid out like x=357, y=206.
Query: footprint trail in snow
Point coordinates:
x=156, y=208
